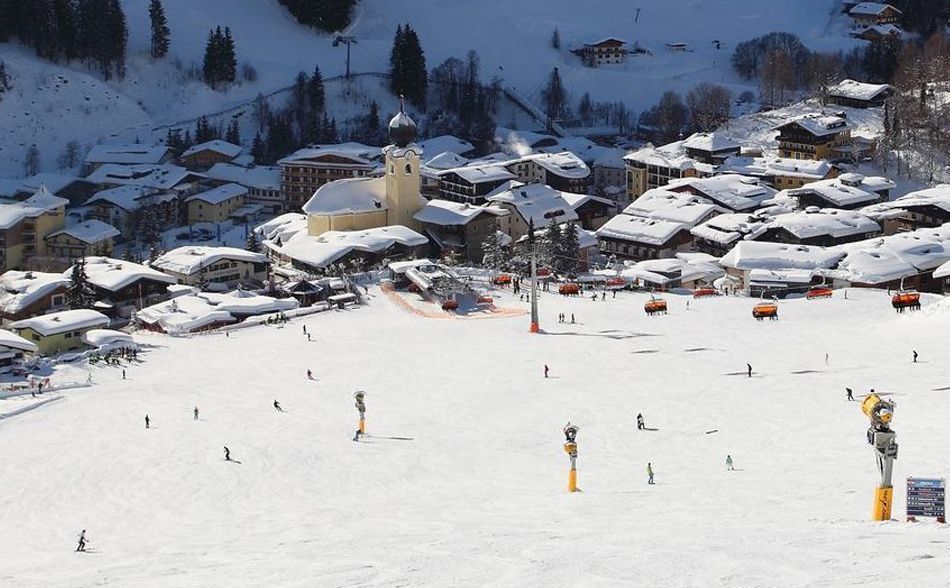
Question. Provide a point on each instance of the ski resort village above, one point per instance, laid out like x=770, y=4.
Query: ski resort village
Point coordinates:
x=443, y=293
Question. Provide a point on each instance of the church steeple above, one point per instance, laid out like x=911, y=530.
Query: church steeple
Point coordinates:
x=402, y=129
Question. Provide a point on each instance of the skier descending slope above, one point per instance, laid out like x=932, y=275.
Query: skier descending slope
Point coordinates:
x=277, y=406
x=82, y=541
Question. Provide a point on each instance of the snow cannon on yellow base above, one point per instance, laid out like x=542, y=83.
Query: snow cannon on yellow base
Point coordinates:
x=880, y=412
x=570, y=447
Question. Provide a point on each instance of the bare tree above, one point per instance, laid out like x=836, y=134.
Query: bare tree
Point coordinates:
x=709, y=106
x=31, y=161
x=778, y=78
x=822, y=70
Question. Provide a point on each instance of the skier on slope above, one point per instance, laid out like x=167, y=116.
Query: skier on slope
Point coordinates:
x=277, y=406
x=196, y=413
x=546, y=370
x=915, y=356
x=850, y=393
x=640, y=425
x=227, y=453
x=749, y=367
x=309, y=375
x=82, y=541
x=146, y=421
x=729, y=463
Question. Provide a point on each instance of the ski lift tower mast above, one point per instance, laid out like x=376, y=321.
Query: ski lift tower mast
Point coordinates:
x=345, y=40
x=535, y=324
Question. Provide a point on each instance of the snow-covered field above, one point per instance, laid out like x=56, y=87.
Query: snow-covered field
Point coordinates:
x=478, y=497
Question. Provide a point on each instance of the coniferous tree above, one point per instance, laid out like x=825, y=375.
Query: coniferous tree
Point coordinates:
x=554, y=97
x=233, y=135
x=395, y=62
x=570, y=248
x=220, y=60
x=407, y=63
x=79, y=294
x=556, y=39
x=253, y=244
x=204, y=132
x=258, y=149
x=160, y=30
x=315, y=91
x=5, y=83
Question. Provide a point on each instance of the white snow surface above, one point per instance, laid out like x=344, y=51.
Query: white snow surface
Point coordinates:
x=478, y=498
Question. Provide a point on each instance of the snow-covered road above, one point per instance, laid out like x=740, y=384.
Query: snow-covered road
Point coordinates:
x=478, y=497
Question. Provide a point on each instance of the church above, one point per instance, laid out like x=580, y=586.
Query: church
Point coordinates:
x=365, y=203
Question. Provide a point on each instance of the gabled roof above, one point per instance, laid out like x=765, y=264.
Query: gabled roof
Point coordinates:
x=446, y=160
x=871, y=9
x=218, y=146
x=153, y=176
x=61, y=322
x=14, y=341
x=352, y=195
x=711, y=142
x=130, y=197
x=885, y=259
x=39, y=203
x=127, y=153
x=333, y=245
x=259, y=177
x=733, y=191
x=18, y=290
x=91, y=231
x=819, y=125
x=938, y=196
x=359, y=154
x=680, y=207
x=776, y=166
x=475, y=174
x=749, y=255
x=53, y=182
x=114, y=274
x=815, y=222
x=192, y=259
x=445, y=144
x=219, y=194
x=729, y=228
x=640, y=229
x=448, y=213
x=564, y=164
x=845, y=190
x=538, y=203
x=858, y=90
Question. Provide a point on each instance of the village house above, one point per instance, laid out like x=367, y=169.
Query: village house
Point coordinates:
x=905, y=260
x=446, y=144
x=433, y=167
x=873, y=13
x=12, y=350
x=472, y=184
x=74, y=189
x=814, y=136
x=588, y=245
x=159, y=177
x=925, y=208
x=780, y=173
x=653, y=167
x=262, y=183
x=719, y=234
x=124, y=207
x=123, y=286
x=529, y=204
x=60, y=331
x=610, y=176
x=711, y=148
x=127, y=154
x=203, y=156
x=656, y=225
x=215, y=268
x=729, y=191
x=306, y=170
x=859, y=94
x=91, y=237
x=460, y=228
x=25, y=225
x=562, y=171
x=28, y=294
x=749, y=256
x=604, y=52
x=686, y=270
x=215, y=205
x=825, y=227
x=849, y=191
x=877, y=33
x=592, y=211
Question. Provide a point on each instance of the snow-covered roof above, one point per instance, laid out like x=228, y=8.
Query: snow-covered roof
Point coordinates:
x=41, y=202
x=18, y=290
x=154, y=176
x=191, y=259
x=819, y=125
x=283, y=227
x=749, y=255
x=13, y=341
x=539, y=203
x=884, y=259
x=845, y=190
x=130, y=197
x=858, y=90
x=219, y=194
x=661, y=272
x=446, y=212
x=260, y=177
x=564, y=164
x=610, y=158
x=776, y=166
x=446, y=160
x=521, y=142
x=728, y=228
x=938, y=196
x=218, y=146
x=90, y=231
x=330, y=246
x=680, y=207
x=126, y=153
x=578, y=200
x=870, y=9
x=711, y=142
x=184, y=314
x=357, y=152
x=733, y=191
x=61, y=322
x=101, y=337
x=242, y=302
x=114, y=274
x=445, y=144
x=585, y=239
x=640, y=229
x=348, y=196
x=53, y=182
x=882, y=30
x=814, y=222
x=475, y=174
x=774, y=276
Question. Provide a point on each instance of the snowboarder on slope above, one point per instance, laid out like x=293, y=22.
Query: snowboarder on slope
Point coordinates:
x=749, y=366
x=729, y=463
x=639, y=421
x=850, y=393
x=649, y=473
x=146, y=421
x=82, y=541
x=277, y=406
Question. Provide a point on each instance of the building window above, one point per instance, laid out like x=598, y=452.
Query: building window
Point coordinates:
x=69, y=335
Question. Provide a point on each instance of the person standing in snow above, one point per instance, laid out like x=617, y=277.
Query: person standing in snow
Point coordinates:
x=915, y=356
x=196, y=413
x=123, y=374
x=227, y=453
x=545, y=370
x=82, y=541
x=850, y=394
x=305, y=329
x=639, y=421
x=729, y=463
x=749, y=367
x=649, y=473
x=146, y=421
x=308, y=337
x=572, y=318
x=277, y=406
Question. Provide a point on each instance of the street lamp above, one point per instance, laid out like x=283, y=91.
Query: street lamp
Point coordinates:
x=345, y=40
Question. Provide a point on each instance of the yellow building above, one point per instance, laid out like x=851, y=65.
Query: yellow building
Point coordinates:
x=60, y=331
x=214, y=268
x=367, y=203
x=216, y=205
x=814, y=137
x=91, y=237
x=25, y=225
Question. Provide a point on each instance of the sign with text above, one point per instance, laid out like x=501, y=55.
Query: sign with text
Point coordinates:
x=925, y=498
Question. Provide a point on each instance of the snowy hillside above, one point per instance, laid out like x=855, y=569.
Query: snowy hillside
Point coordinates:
x=511, y=38
x=477, y=497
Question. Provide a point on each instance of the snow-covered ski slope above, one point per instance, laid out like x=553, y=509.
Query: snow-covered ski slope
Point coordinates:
x=478, y=498
x=51, y=104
